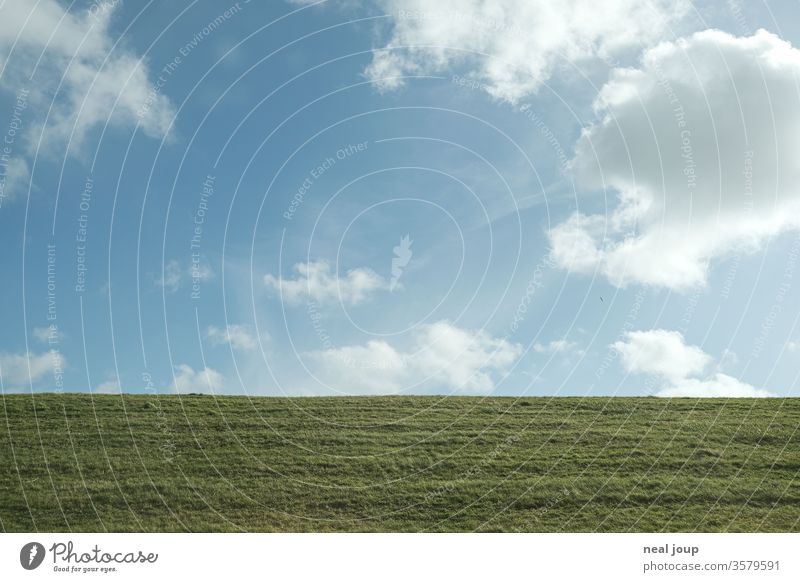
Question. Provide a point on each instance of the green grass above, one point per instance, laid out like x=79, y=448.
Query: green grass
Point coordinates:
x=148, y=463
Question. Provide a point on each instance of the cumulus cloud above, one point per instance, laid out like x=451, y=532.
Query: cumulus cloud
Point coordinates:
x=110, y=386
x=186, y=380
x=20, y=369
x=699, y=143
x=718, y=386
x=728, y=360
x=238, y=336
x=316, y=281
x=512, y=46
x=101, y=83
x=441, y=355
x=373, y=368
x=666, y=355
x=661, y=352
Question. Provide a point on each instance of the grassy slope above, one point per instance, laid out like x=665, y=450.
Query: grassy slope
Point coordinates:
x=374, y=464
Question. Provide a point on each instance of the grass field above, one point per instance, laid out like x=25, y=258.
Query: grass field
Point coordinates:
x=199, y=463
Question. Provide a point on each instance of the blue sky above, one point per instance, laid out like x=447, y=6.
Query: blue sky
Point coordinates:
x=210, y=197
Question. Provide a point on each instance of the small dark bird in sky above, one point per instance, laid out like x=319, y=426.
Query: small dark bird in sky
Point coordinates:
x=601, y=299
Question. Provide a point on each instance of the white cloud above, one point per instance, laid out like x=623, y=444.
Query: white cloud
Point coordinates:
x=238, y=336
x=206, y=381
x=513, y=46
x=46, y=334
x=718, y=386
x=176, y=275
x=561, y=346
x=665, y=355
x=441, y=355
x=172, y=277
x=14, y=368
x=100, y=83
x=792, y=347
x=700, y=144
x=15, y=178
x=374, y=368
x=316, y=281
x=110, y=386
x=728, y=360
x=661, y=352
